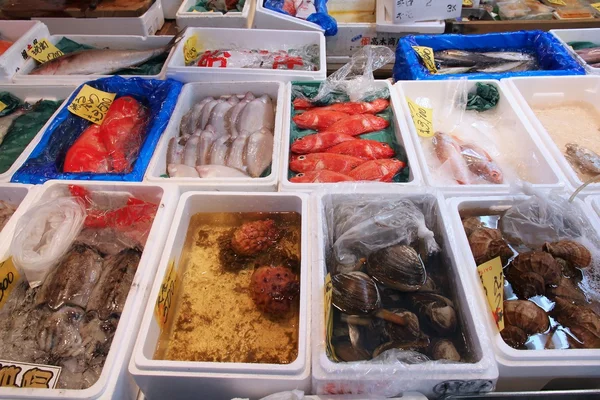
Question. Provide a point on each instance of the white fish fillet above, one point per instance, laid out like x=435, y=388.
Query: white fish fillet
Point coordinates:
x=259, y=153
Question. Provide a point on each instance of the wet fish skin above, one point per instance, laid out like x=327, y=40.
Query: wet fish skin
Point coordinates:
x=256, y=115
x=233, y=116
x=321, y=176
x=190, y=153
x=189, y=121
x=318, y=119
x=319, y=142
x=237, y=152
x=219, y=171
x=481, y=163
x=325, y=161
x=259, y=152
x=174, y=151
x=447, y=150
x=583, y=158
x=181, y=171
x=219, y=151
x=377, y=170
x=358, y=124
x=364, y=149
x=207, y=138
x=206, y=110
x=590, y=56
x=359, y=107
x=217, y=117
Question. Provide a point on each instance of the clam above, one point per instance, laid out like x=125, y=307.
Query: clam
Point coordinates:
x=438, y=311
x=487, y=244
x=526, y=315
x=356, y=293
x=419, y=345
x=444, y=349
x=429, y=286
x=398, y=267
x=514, y=336
x=471, y=224
x=408, y=332
x=540, y=263
x=575, y=253
x=346, y=352
x=526, y=284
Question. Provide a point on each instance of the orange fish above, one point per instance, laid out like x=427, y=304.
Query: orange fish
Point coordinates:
x=480, y=163
x=318, y=142
x=361, y=107
x=377, y=170
x=4, y=45
x=318, y=119
x=448, y=150
x=329, y=161
x=322, y=176
x=358, y=124
x=302, y=104
x=365, y=149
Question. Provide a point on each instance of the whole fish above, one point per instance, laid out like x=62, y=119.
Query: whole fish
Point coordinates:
x=190, y=120
x=256, y=115
x=207, y=138
x=101, y=61
x=329, y=161
x=318, y=119
x=219, y=151
x=174, y=151
x=590, y=56
x=358, y=124
x=219, y=171
x=190, y=152
x=302, y=104
x=259, y=152
x=460, y=61
x=181, y=171
x=583, y=158
x=365, y=149
x=480, y=163
x=206, y=111
x=377, y=170
x=232, y=117
x=361, y=107
x=322, y=176
x=447, y=150
x=319, y=142
x=7, y=121
x=217, y=115
x=237, y=153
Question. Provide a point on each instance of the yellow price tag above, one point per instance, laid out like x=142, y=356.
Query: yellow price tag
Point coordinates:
x=92, y=104
x=165, y=296
x=557, y=2
x=492, y=278
x=596, y=6
x=9, y=279
x=422, y=118
x=44, y=51
x=191, y=49
x=467, y=3
x=426, y=54
x=2, y=106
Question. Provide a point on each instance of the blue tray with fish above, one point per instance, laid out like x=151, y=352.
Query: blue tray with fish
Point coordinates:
x=489, y=56
x=119, y=149
x=314, y=11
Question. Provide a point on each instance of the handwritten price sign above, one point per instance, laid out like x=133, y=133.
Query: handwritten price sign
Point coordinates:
x=422, y=118
x=9, y=279
x=43, y=51
x=92, y=104
x=424, y=10
x=492, y=278
x=165, y=296
x=426, y=54
x=191, y=49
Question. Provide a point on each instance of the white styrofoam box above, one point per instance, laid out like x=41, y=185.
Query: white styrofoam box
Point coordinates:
x=402, y=136
x=269, y=19
x=381, y=380
x=146, y=24
x=249, y=39
x=533, y=91
x=32, y=94
x=116, y=42
x=232, y=19
x=114, y=381
x=193, y=93
x=566, y=36
x=22, y=34
x=170, y=8
x=19, y=196
x=385, y=21
x=520, y=142
x=185, y=379
x=520, y=370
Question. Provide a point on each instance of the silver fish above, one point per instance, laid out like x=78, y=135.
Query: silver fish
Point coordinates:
x=181, y=171
x=101, y=61
x=7, y=121
x=219, y=171
x=259, y=152
x=582, y=158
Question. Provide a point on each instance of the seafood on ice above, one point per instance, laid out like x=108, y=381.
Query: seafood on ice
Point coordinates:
x=70, y=318
x=226, y=137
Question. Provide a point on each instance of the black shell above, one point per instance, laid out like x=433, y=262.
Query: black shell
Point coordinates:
x=355, y=293
x=398, y=267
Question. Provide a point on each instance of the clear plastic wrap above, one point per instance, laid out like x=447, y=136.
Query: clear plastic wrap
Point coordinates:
x=310, y=10
x=305, y=58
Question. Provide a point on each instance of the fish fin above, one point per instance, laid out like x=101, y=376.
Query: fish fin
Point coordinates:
x=176, y=39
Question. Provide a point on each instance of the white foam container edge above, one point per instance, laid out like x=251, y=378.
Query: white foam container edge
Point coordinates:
x=20, y=196
x=520, y=370
x=114, y=381
x=22, y=34
x=269, y=19
x=566, y=36
x=170, y=8
x=550, y=173
x=402, y=136
x=391, y=380
x=114, y=42
x=555, y=89
x=184, y=379
x=232, y=19
x=193, y=93
x=217, y=38
x=146, y=24
x=32, y=94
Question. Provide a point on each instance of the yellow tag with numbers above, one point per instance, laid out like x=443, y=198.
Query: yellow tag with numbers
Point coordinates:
x=44, y=51
x=2, y=106
x=557, y=2
x=422, y=118
x=92, y=104
x=596, y=6
x=426, y=54
x=191, y=49
x=492, y=278
x=467, y=3
x=165, y=296
x=9, y=279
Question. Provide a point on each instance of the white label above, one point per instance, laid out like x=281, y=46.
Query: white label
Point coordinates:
x=25, y=375
x=423, y=10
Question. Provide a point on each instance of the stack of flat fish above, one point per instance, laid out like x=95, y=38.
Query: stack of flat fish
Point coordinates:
x=228, y=137
x=466, y=62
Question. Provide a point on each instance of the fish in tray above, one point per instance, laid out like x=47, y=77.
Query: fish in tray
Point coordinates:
x=464, y=62
x=226, y=137
x=584, y=159
x=590, y=56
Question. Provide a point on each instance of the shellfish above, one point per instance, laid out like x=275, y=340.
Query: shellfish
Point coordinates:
x=575, y=253
x=438, y=311
x=398, y=267
x=582, y=322
x=514, y=336
x=487, y=243
x=444, y=349
x=526, y=315
x=408, y=332
x=471, y=224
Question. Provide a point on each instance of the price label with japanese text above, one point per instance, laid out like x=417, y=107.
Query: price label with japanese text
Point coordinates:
x=426, y=54
x=92, y=104
x=422, y=118
x=596, y=6
x=492, y=278
x=165, y=296
x=191, y=49
x=44, y=51
x=467, y=3
x=24, y=375
x=9, y=279
x=425, y=10
x=557, y=2
x=2, y=106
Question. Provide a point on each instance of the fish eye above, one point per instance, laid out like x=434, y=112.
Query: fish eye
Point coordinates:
x=300, y=175
x=302, y=158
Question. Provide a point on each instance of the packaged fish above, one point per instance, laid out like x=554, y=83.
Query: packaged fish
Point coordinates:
x=310, y=10
x=77, y=255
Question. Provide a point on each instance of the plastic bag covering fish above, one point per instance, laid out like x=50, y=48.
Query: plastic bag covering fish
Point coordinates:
x=44, y=234
x=362, y=227
x=46, y=160
x=553, y=58
x=321, y=17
